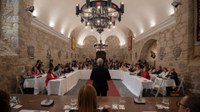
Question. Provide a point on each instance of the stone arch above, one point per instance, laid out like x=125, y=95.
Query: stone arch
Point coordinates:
x=149, y=51
x=112, y=51
x=88, y=50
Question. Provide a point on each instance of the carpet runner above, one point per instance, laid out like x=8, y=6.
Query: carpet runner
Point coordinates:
x=112, y=89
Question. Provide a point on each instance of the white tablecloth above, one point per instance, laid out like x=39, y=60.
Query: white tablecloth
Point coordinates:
x=115, y=74
x=38, y=83
x=72, y=79
x=84, y=74
x=136, y=84
x=62, y=85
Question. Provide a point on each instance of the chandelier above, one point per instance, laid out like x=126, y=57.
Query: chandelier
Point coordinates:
x=100, y=14
x=100, y=46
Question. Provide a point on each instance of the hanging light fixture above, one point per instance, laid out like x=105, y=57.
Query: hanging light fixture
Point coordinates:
x=100, y=46
x=100, y=14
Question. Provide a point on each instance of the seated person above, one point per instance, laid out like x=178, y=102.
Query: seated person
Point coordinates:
x=41, y=68
x=57, y=67
x=4, y=102
x=68, y=68
x=164, y=73
x=87, y=100
x=35, y=71
x=116, y=67
x=58, y=72
x=145, y=73
x=50, y=76
x=158, y=70
x=131, y=68
x=189, y=103
x=81, y=66
x=173, y=75
x=138, y=71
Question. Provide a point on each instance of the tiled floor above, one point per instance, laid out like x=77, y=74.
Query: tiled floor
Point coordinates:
x=123, y=91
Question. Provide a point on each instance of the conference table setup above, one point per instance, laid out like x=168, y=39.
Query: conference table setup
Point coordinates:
x=66, y=82
x=32, y=103
x=56, y=89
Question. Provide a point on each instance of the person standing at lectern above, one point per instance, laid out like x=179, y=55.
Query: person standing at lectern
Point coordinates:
x=100, y=75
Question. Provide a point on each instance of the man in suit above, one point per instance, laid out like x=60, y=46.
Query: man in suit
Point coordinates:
x=100, y=75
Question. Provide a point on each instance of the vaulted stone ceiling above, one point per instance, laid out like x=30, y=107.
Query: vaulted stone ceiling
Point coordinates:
x=139, y=17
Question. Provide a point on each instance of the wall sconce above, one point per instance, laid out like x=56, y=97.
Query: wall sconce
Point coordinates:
x=175, y=4
x=30, y=9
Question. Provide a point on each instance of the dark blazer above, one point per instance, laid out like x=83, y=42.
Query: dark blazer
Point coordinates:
x=174, y=76
x=100, y=75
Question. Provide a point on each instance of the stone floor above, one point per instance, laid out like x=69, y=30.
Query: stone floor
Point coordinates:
x=123, y=91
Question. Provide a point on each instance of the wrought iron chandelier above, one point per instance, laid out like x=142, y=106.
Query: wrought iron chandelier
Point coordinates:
x=100, y=46
x=100, y=14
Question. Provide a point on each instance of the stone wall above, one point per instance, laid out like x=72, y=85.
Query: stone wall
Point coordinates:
x=113, y=51
x=10, y=23
x=22, y=44
x=176, y=48
x=33, y=44
x=88, y=50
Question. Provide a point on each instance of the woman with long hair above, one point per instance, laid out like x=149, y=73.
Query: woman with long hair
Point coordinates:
x=87, y=100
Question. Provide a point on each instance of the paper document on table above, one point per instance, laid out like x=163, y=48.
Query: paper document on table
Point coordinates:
x=149, y=111
x=23, y=110
x=17, y=106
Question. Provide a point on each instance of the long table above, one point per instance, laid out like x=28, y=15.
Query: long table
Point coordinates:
x=136, y=84
x=65, y=83
x=115, y=74
x=32, y=102
x=37, y=82
x=62, y=85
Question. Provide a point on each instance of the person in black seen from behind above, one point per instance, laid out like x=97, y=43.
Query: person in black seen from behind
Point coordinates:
x=4, y=102
x=100, y=75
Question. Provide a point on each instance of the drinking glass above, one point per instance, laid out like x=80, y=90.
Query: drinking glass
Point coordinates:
x=73, y=103
x=122, y=104
x=166, y=103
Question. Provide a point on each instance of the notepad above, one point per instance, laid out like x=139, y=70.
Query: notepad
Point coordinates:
x=24, y=110
x=149, y=111
x=17, y=106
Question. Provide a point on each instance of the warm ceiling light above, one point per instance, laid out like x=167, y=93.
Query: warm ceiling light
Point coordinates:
x=100, y=13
